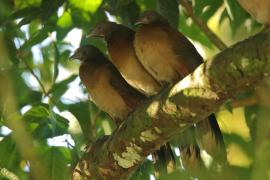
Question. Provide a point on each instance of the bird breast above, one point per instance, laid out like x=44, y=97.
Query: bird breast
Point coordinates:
x=102, y=92
x=156, y=55
x=125, y=60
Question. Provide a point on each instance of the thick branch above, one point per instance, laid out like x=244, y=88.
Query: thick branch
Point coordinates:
x=169, y=113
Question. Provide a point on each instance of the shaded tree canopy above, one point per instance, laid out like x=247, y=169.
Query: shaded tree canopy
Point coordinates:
x=48, y=127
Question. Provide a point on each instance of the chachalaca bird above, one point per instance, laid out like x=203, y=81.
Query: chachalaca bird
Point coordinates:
x=259, y=10
x=169, y=56
x=120, y=47
x=107, y=88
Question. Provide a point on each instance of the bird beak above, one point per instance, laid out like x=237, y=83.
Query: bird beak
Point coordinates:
x=141, y=21
x=93, y=33
x=74, y=56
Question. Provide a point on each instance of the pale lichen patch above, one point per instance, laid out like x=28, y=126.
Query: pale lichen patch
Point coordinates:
x=148, y=135
x=169, y=107
x=157, y=130
x=187, y=111
x=152, y=109
x=196, y=79
x=233, y=66
x=182, y=124
x=129, y=157
x=124, y=163
x=138, y=148
x=244, y=62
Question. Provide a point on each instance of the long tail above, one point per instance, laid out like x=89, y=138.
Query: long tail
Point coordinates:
x=189, y=150
x=210, y=139
x=164, y=161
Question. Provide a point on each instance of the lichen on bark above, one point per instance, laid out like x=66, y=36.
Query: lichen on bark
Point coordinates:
x=195, y=97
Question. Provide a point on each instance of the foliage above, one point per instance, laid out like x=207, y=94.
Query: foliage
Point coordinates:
x=33, y=37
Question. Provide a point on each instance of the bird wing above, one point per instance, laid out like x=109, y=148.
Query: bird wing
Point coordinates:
x=183, y=47
x=131, y=97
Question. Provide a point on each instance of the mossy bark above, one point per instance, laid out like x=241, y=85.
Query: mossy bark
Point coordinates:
x=162, y=117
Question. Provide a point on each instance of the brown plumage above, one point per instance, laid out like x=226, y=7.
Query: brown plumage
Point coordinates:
x=259, y=10
x=169, y=56
x=120, y=47
x=122, y=54
x=107, y=88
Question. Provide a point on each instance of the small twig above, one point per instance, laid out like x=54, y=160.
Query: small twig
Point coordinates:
x=46, y=94
x=93, y=119
x=36, y=77
x=253, y=100
x=250, y=101
x=211, y=35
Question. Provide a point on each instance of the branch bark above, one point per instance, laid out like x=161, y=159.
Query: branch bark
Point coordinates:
x=162, y=117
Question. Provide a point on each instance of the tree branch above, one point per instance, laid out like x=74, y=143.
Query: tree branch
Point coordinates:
x=195, y=97
x=211, y=35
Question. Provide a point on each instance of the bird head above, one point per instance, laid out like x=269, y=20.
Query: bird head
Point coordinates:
x=86, y=52
x=103, y=29
x=149, y=17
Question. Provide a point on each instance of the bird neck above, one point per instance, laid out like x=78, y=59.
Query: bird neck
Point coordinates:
x=158, y=23
x=94, y=61
x=121, y=32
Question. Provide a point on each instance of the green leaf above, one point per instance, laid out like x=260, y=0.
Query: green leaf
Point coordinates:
x=80, y=18
x=49, y=8
x=5, y=10
x=237, y=15
x=23, y=93
x=169, y=10
x=251, y=116
x=60, y=88
x=65, y=21
x=193, y=31
x=37, y=37
x=86, y=5
x=180, y=174
x=144, y=171
x=146, y=4
x=24, y=12
x=44, y=123
x=26, y=3
x=56, y=62
x=56, y=162
x=8, y=153
x=228, y=106
x=37, y=114
x=207, y=8
x=81, y=112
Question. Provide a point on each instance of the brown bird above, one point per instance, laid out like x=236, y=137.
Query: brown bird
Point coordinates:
x=120, y=47
x=122, y=54
x=259, y=10
x=107, y=88
x=169, y=56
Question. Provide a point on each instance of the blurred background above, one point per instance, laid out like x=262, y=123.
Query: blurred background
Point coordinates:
x=46, y=119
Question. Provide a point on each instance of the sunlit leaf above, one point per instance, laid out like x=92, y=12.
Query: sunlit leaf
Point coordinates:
x=87, y=5
x=37, y=37
x=65, y=21
x=56, y=162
